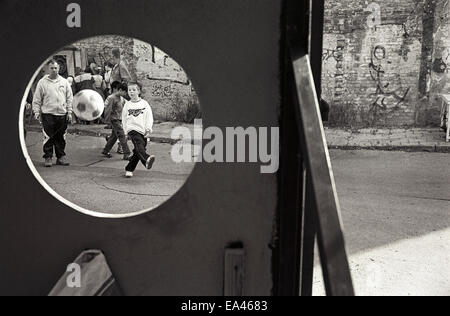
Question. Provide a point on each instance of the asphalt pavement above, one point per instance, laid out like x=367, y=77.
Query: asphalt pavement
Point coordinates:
x=396, y=215
x=97, y=184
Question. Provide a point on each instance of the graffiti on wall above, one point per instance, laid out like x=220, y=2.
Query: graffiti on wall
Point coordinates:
x=328, y=54
x=339, y=80
x=333, y=70
x=390, y=93
x=158, y=90
x=164, y=88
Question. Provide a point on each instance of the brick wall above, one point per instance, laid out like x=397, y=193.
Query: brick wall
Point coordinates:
x=440, y=77
x=381, y=75
x=165, y=84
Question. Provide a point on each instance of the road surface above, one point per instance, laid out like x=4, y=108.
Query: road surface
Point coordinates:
x=396, y=216
x=98, y=184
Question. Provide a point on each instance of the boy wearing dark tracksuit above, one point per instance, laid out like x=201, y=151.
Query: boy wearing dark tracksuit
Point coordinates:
x=115, y=103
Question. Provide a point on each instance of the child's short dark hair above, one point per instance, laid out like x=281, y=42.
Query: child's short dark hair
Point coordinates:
x=123, y=86
x=135, y=83
x=110, y=64
x=116, y=85
x=88, y=70
x=52, y=62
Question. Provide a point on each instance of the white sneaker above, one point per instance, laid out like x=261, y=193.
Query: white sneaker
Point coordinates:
x=128, y=174
x=150, y=162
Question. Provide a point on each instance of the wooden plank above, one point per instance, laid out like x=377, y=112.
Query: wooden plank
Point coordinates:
x=331, y=240
x=308, y=236
x=234, y=272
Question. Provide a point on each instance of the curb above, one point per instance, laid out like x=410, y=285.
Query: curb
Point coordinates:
x=412, y=148
x=76, y=131
x=168, y=140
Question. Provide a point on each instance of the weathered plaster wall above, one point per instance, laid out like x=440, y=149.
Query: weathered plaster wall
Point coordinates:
x=379, y=74
x=165, y=84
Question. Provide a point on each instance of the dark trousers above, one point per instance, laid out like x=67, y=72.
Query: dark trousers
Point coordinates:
x=55, y=128
x=117, y=134
x=139, y=151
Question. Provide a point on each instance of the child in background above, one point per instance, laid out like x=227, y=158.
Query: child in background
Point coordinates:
x=137, y=118
x=107, y=76
x=99, y=82
x=114, y=103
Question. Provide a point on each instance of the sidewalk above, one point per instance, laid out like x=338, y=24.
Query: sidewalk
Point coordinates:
x=161, y=131
x=413, y=139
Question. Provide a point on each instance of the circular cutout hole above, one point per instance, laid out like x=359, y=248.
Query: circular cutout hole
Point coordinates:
x=127, y=98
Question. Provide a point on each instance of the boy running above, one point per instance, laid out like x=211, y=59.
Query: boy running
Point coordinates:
x=114, y=103
x=137, y=119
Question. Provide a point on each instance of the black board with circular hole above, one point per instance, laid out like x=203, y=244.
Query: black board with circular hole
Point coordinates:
x=231, y=51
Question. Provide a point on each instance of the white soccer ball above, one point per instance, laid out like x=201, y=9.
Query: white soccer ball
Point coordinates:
x=88, y=105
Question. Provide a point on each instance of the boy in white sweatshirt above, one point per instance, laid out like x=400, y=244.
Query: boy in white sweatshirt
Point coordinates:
x=137, y=120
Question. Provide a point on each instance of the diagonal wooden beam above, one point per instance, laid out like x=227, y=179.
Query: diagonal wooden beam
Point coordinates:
x=337, y=277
